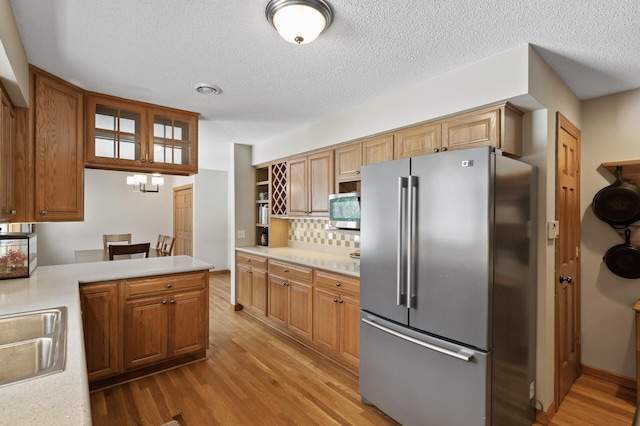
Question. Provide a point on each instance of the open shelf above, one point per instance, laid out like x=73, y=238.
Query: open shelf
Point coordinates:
x=630, y=170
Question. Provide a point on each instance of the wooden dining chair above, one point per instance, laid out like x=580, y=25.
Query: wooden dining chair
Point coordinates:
x=160, y=242
x=115, y=238
x=128, y=249
x=167, y=246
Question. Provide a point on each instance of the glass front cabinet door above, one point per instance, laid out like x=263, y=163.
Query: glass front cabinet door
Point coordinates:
x=131, y=136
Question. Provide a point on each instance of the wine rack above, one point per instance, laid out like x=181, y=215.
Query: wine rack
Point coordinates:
x=279, y=189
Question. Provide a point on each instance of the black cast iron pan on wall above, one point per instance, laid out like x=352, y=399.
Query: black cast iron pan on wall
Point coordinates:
x=619, y=203
x=624, y=259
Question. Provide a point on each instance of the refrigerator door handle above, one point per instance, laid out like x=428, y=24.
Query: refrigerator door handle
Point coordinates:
x=461, y=355
x=400, y=251
x=411, y=230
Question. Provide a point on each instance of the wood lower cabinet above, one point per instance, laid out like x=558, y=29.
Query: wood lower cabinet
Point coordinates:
x=290, y=295
x=317, y=307
x=161, y=322
x=155, y=321
x=99, y=304
x=336, y=316
x=252, y=283
x=145, y=326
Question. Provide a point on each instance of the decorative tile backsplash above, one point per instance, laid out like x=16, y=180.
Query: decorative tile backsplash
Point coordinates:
x=317, y=231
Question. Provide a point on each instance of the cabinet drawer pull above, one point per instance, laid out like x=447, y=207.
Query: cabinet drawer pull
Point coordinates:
x=169, y=285
x=10, y=211
x=286, y=270
x=43, y=212
x=337, y=284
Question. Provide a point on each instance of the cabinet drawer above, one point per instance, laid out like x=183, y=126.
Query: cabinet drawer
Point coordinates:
x=293, y=271
x=249, y=260
x=338, y=283
x=163, y=284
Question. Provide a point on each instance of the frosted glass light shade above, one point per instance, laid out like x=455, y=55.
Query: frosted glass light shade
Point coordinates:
x=299, y=24
x=299, y=21
x=157, y=180
x=140, y=179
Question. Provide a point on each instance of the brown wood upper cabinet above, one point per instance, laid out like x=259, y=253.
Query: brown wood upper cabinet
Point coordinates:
x=418, y=140
x=7, y=143
x=350, y=158
x=134, y=136
x=499, y=126
x=310, y=180
x=54, y=184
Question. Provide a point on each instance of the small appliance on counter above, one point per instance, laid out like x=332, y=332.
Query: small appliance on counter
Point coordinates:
x=18, y=254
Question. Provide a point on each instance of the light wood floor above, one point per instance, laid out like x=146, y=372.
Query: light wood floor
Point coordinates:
x=255, y=376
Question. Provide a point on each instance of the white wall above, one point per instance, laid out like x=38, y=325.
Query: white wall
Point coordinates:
x=210, y=221
x=610, y=133
x=110, y=207
x=500, y=77
x=14, y=67
x=241, y=204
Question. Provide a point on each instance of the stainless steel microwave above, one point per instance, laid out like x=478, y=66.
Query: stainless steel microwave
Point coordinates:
x=344, y=210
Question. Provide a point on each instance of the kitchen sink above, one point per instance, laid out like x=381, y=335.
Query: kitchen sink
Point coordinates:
x=32, y=344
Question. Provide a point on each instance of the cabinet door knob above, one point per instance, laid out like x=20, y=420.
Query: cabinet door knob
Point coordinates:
x=335, y=300
x=341, y=301
x=435, y=150
x=444, y=148
x=164, y=302
x=142, y=160
x=286, y=270
x=169, y=285
x=357, y=172
x=173, y=301
x=10, y=211
x=337, y=284
x=43, y=212
x=248, y=260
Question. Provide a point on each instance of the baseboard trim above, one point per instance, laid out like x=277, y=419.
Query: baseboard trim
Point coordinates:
x=545, y=417
x=608, y=376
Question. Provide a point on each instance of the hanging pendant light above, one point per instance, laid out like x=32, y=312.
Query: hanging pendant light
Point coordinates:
x=299, y=21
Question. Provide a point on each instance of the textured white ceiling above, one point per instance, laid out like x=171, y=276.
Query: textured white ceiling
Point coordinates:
x=158, y=50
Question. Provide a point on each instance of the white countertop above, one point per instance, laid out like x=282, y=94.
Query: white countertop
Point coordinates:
x=342, y=264
x=63, y=398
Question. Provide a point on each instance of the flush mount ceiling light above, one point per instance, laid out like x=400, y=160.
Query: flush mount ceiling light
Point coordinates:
x=299, y=21
x=208, y=89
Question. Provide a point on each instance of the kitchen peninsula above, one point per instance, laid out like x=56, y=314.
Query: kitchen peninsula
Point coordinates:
x=63, y=398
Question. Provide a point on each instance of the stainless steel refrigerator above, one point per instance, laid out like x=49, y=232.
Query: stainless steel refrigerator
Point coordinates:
x=447, y=289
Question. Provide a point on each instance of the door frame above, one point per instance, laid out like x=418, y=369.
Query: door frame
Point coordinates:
x=562, y=123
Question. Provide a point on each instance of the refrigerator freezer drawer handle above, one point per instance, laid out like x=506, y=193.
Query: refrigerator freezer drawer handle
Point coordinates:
x=458, y=355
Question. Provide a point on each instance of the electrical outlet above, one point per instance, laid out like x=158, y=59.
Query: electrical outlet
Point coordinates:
x=532, y=389
x=241, y=234
x=553, y=229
